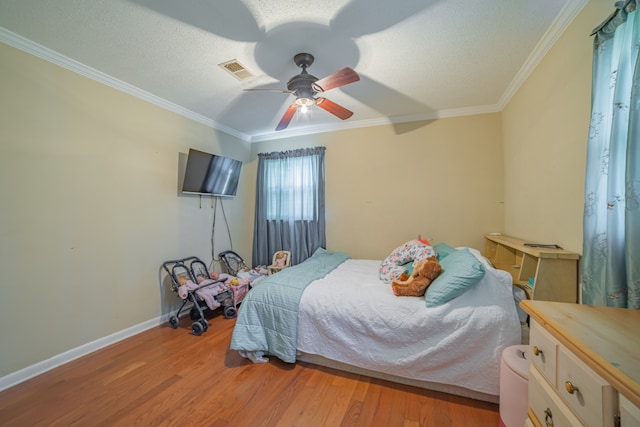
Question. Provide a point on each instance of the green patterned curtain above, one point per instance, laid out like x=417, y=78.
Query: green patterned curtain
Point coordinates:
x=611, y=248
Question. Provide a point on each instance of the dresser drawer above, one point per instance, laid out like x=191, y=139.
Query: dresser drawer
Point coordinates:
x=590, y=397
x=545, y=404
x=629, y=414
x=543, y=348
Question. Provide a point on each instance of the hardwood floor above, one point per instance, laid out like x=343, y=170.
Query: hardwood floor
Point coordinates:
x=170, y=377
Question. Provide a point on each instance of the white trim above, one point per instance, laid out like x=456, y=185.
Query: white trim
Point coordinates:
x=22, y=375
x=33, y=48
x=562, y=21
x=353, y=124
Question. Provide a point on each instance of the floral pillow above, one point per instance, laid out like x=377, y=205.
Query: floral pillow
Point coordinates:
x=395, y=264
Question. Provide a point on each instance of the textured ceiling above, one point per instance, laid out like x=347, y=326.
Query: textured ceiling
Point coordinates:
x=417, y=59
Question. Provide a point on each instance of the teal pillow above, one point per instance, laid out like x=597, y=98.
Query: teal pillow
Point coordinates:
x=442, y=250
x=460, y=271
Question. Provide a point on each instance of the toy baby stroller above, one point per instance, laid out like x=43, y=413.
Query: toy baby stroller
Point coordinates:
x=235, y=266
x=189, y=269
x=232, y=262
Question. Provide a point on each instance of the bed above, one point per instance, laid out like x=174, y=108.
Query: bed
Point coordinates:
x=335, y=311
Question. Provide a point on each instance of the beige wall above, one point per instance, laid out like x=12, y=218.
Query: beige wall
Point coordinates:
x=387, y=184
x=90, y=210
x=545, y=130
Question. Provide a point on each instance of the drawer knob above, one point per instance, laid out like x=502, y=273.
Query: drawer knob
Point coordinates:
x=536, y=350
x=548, y=418
x=570, y=387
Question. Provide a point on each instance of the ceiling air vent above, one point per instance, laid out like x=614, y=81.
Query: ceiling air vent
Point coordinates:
x=236, y=69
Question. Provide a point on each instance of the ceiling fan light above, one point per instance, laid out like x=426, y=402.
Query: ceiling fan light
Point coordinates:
x=307, y=102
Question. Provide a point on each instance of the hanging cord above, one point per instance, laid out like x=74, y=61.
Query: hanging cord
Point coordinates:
x=224, y=215
x=214, y=206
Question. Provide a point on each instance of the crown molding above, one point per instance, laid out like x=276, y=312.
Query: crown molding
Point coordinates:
x=558, y=26
x=562, y=21
x=354, y=124
x=35, y=49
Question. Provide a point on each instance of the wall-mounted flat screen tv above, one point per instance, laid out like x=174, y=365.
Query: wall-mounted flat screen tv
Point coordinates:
x=211, y=175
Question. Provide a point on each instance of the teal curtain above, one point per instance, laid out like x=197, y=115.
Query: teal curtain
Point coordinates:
x=290, y=204
x=611, y=248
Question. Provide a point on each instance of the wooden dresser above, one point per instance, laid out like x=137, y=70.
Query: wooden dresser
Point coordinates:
x=585, y=365
x=544, y=274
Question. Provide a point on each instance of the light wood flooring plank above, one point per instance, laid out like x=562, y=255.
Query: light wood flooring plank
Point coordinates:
x=170, y=377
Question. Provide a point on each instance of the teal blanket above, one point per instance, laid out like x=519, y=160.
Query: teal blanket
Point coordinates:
x=268, y=317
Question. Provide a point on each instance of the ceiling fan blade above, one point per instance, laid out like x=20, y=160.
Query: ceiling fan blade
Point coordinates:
x=334, y=108
x=286, y=118
x=337, y=79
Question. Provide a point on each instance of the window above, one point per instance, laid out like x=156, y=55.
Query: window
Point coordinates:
x=290, y=189
x=289, y=204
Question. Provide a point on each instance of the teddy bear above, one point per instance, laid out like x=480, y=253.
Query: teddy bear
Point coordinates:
x=424, y=272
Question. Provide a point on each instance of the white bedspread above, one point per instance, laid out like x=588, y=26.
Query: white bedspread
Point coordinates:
x=352, y=317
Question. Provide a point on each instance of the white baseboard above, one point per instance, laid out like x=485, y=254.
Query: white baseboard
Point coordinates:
x=62, y=358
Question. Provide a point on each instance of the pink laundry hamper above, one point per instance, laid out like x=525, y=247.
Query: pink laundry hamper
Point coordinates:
x=514, y=378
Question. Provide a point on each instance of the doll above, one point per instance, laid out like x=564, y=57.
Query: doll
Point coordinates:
x=207, y=293
x=229, y=279
x=281, y=259
x=239, y=286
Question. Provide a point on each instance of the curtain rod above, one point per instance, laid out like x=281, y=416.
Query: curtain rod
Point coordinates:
x=620, y=6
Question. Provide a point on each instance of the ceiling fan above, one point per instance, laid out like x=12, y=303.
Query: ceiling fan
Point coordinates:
x=305, y=87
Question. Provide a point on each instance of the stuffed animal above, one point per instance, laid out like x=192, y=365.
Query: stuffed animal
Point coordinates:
x=424, y=272
x=394, y=265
